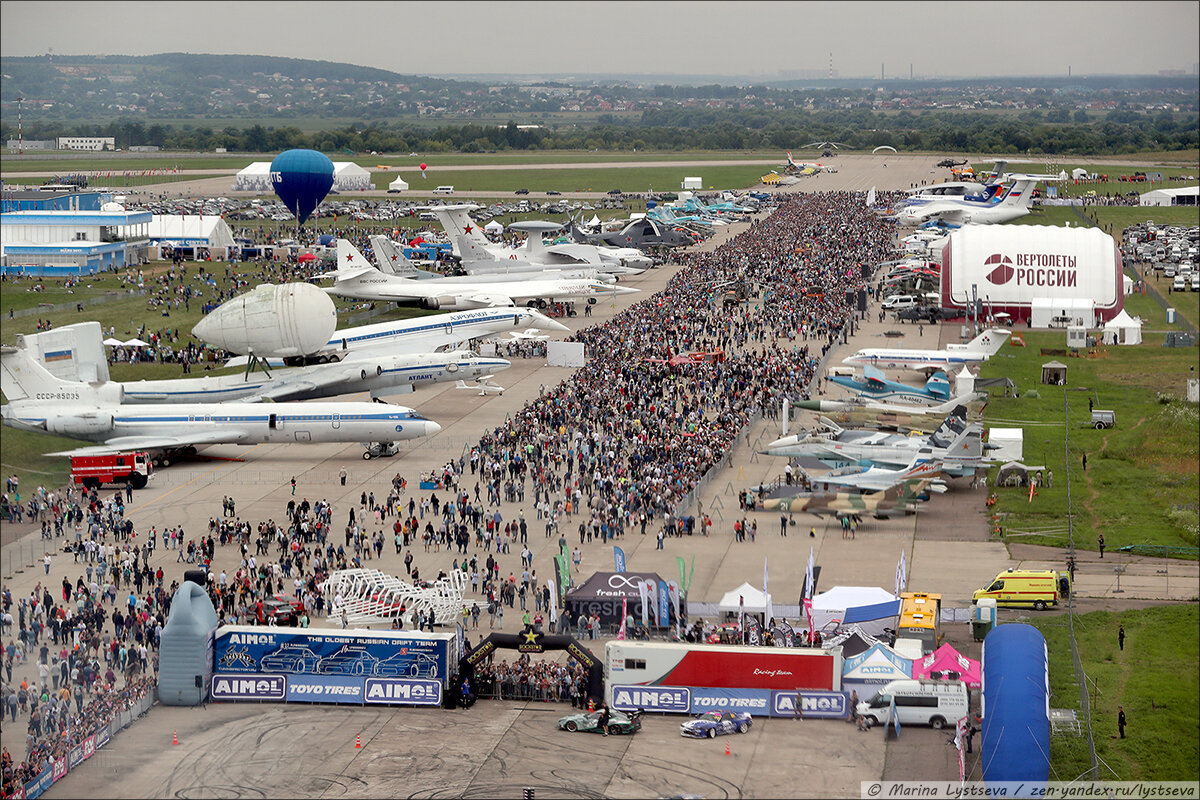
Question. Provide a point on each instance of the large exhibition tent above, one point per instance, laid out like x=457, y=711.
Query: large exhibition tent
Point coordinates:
x=350, y=177
x=254, y=178
x=1181, y=196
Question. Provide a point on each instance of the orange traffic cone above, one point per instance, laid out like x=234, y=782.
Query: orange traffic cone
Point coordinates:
x=175, y=737
x=591, y=704
x=358, y=742
x=727, y=752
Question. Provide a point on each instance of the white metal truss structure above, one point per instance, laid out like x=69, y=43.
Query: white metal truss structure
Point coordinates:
x=370, y=596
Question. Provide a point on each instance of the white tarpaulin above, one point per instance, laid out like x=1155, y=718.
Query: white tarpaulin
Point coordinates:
x=564, y=354
x=830, y=607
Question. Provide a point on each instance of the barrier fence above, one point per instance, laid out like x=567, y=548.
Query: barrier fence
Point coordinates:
x=27, y=553
x=48, y=308
x=85, y=748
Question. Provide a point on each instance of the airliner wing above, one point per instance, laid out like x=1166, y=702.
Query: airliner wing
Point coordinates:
x=126, y=444
x=490, y=299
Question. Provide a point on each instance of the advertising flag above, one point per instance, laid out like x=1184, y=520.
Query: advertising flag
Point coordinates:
x=673, y=589
x=664, y=604
x=901, y=575
x=618, y=559
x=553, y=601
x=766, y=596
x=808, y=576
x=644, y=595
x=742, y=616
x=624, y=616
x=682, y=573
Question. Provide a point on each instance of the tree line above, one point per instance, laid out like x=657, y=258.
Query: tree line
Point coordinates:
x=1028, y=132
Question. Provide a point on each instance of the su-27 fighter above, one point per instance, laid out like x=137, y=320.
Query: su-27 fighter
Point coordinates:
x=42, y=403
x=957, y=444
x=867, y=412
x=358, y=278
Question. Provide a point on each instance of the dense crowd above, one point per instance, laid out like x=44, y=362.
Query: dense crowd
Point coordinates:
x=616, y=448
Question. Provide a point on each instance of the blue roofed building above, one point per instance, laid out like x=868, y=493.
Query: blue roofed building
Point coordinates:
x=59, y=242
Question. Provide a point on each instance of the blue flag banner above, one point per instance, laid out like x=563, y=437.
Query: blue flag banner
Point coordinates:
x=664, y=603
x=618, y=559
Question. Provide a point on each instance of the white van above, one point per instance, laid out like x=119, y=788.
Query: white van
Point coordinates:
x=935, y=703
x=444, y=190
x=899, y=301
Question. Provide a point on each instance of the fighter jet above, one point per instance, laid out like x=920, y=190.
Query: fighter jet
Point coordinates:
x=42, y=403
x=637, y=234
x=957, y=444
x=864, y=412
x=874, y=383
x=844, y=493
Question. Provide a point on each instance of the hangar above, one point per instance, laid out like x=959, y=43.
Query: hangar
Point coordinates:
x=1183, y=196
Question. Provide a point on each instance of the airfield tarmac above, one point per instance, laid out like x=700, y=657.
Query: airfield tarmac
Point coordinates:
x=497, y=748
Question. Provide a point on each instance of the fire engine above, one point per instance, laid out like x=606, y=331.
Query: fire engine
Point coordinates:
x=93, y=471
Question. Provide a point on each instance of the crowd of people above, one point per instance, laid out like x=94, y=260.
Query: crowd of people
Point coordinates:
x=616, y=449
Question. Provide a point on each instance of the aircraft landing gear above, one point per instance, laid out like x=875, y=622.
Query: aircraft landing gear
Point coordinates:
x=380, y=450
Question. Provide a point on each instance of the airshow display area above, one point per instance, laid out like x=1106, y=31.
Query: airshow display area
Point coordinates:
x=749, y=314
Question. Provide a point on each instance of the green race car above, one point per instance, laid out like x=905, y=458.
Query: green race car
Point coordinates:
x=618, y=722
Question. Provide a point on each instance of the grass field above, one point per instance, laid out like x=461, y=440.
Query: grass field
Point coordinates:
x=76, y=163
x=631, y=179
x=1154, y=678
x=21, y=451
x=1141, y=483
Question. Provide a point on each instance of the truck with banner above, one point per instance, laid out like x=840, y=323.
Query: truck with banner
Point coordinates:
x=333, y=666
x=692, y=678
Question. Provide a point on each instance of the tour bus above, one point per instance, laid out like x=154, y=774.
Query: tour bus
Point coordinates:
x=919, y=614
x=918, y=702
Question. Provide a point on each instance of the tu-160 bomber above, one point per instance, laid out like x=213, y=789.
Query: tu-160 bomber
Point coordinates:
x=358, y=278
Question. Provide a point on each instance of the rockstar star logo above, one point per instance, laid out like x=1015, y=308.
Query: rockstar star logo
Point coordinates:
x=530, y=637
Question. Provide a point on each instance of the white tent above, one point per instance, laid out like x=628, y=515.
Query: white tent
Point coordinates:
x=179, y=230
x=964, y=382
x=594, y=222
x=349, y=177
x=831, y=607
x=875, y=667
x=1079, y=174
x=1123, y=329
x=756, y=602
x=398, y=185
x=1181, y=196
x=254, y=178
x=494, y=227
x=135, y=342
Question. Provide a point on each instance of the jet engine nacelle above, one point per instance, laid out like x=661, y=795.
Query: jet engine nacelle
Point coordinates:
x=447, y=303
x=110, y=394
x=81, y=425
x=292, y=319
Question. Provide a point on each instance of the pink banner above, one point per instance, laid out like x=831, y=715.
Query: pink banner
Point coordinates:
x=60, y=768
x=89, y=747
x=624, y=614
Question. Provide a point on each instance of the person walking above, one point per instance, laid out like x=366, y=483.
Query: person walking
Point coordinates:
x=1100, y=543
x=341, y=476
x=1121, y=720
x=293, y=485
x=1121, y=637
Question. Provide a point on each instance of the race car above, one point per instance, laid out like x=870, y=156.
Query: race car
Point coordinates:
x=715, y=723
x=618, y=722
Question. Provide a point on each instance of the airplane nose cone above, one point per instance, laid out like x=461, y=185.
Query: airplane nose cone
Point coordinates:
x=205, y=329
x=432, y=428
x=543, y=323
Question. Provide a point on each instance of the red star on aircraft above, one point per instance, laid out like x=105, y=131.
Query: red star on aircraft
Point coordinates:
x=468, y=229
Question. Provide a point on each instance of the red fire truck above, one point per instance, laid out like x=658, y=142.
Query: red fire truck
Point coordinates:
x=94, y=471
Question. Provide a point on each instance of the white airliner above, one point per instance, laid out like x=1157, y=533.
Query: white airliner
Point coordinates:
x=979, y=349
x=479, y=265
x=358, y=278
x=42, y=403
x=1012, y=204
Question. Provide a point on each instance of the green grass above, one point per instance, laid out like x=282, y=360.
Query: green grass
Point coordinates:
x=1154, y=678
x=628, y=179
x=14, y=165
x=1141, y=484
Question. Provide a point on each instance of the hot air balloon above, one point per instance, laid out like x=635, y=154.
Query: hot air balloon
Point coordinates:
x=301, y=179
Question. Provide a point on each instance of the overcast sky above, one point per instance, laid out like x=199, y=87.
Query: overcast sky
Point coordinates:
x=720, y=38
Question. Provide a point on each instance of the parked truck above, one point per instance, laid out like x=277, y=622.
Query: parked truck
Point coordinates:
x=95, y=471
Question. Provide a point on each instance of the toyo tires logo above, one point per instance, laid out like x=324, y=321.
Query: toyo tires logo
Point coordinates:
x=1003, y=271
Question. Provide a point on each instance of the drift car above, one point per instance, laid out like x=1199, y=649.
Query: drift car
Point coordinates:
x=716, y=723
x=618, y=722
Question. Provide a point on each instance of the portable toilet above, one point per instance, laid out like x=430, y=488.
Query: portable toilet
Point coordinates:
x=983, y=618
